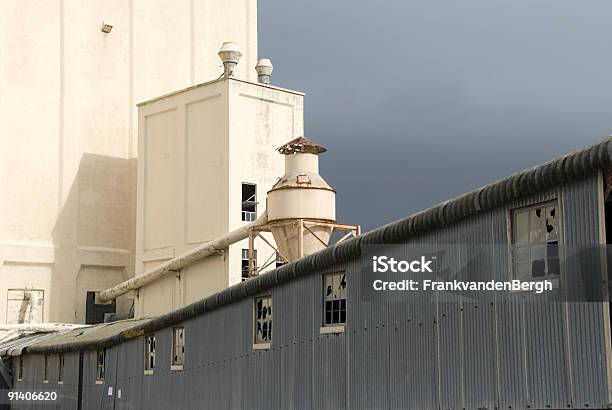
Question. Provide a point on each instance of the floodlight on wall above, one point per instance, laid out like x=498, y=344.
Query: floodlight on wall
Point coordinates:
x=106, y=28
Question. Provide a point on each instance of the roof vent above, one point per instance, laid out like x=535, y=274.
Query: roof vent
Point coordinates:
x=230, y=55
x=264, y=69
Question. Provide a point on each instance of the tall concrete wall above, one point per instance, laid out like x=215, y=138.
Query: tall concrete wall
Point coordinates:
x=68, y=129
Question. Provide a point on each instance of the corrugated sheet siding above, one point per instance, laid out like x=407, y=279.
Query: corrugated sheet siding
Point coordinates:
x=502, y=353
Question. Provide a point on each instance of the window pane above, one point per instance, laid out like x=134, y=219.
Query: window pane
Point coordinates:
x=334, y=299
x=538, y=261
x=552, y=255
x=523, y=271
x=551, y=222
x=521, y=227
x=536, y=225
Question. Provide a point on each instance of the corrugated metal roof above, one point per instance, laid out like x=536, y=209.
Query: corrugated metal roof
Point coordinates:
x=562, y=170
x=15, y=346
x=93, y=336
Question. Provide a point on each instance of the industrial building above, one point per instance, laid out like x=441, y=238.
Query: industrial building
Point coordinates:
x=71, y=74
x=181, y=205
x=304, y=336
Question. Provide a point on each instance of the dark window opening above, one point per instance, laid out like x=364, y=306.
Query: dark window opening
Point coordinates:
x=20, y=371
x=535, y=242
x=334, y=299
x=249, y=202
x=60, y=375
x=95, y=312
x=46, y=373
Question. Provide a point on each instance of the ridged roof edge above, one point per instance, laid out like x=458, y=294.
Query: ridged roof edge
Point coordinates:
x=564, y=169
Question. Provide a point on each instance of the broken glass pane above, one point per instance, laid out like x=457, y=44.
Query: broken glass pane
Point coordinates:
x=536, y=225
x=263, y=320
x=551, y=223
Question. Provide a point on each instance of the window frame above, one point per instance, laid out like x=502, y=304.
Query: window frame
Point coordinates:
x=332, y=327
x=262, y=344
x=100, y=367
x=23, y=290
x=46, y=370
x=61, y=365
x=512, y=234
x=174, y=365
x=245, y=252
x=149, y=369
x=252, y=215
x=20, y=368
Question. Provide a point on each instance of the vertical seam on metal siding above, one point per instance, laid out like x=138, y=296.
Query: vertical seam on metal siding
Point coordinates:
x=566, y=327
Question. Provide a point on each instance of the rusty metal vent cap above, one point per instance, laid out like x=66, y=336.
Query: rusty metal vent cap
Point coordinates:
x=302, y=145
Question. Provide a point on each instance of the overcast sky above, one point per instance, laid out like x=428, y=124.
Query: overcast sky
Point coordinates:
x=419, y=101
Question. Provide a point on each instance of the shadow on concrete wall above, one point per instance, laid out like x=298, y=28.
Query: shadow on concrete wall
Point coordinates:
x=94, y=235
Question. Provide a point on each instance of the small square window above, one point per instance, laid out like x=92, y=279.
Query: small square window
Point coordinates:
x=178, y=347
x=334, y=299
x=263, y=320
x=149, y=349
x=100, y=365
x=535, y=242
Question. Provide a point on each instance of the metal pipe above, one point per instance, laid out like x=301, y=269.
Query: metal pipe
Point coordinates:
x=175, y=264
x=39, y=327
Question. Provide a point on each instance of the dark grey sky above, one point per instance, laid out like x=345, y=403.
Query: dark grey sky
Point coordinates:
x=418, y=101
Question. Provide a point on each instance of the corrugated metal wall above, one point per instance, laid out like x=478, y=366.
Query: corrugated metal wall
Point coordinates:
x=33, y=374
x=505, y=353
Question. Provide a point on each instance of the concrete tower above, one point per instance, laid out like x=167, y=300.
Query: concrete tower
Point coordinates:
x=71, y=73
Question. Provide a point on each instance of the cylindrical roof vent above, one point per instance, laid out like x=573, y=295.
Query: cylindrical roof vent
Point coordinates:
x=264, y=69
x=230, y=55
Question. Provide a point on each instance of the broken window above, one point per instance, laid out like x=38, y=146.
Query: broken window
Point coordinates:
x=25, y=306
x=60, y=375
x=279, y=260
x=20, y=370
x=149, y=349
x=249, y=202
x=334, y=299
x=178, y=346
x=535, y=242
x=100, y=365
x=245, y=263
x=46, y=373
x=263, y=320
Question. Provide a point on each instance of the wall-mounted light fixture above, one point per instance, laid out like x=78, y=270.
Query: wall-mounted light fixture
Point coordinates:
x=106, y=28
